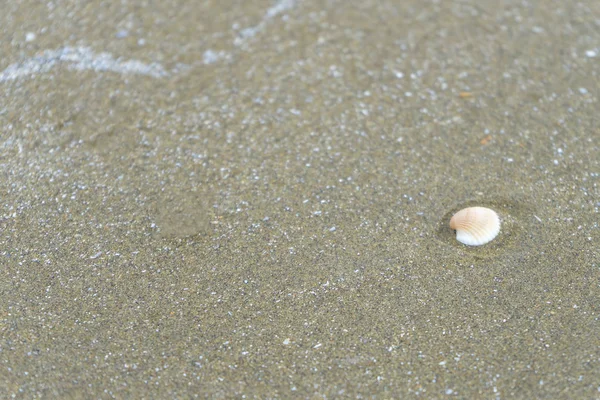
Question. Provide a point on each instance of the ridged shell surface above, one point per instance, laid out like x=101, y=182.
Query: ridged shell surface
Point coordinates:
x=475, y=225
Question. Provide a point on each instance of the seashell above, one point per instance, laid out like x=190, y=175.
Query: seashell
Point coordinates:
x=475, y=225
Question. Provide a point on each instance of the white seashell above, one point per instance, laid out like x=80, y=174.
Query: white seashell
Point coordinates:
x=475, y=225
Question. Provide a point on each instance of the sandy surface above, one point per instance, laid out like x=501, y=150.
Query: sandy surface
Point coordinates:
x=225, y=199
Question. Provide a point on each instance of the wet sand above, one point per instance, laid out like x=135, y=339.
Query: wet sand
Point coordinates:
x=223, y=199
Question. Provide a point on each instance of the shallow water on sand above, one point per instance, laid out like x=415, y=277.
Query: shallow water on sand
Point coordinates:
x=252, y=199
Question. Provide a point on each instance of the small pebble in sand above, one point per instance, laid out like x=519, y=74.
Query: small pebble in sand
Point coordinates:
x=475, y=226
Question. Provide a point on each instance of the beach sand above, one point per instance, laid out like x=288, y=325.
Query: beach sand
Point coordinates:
x=251, y=199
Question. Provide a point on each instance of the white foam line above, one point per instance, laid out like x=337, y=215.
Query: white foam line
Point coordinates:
x=79, y=58
x=279, y=7
x=210, y=56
